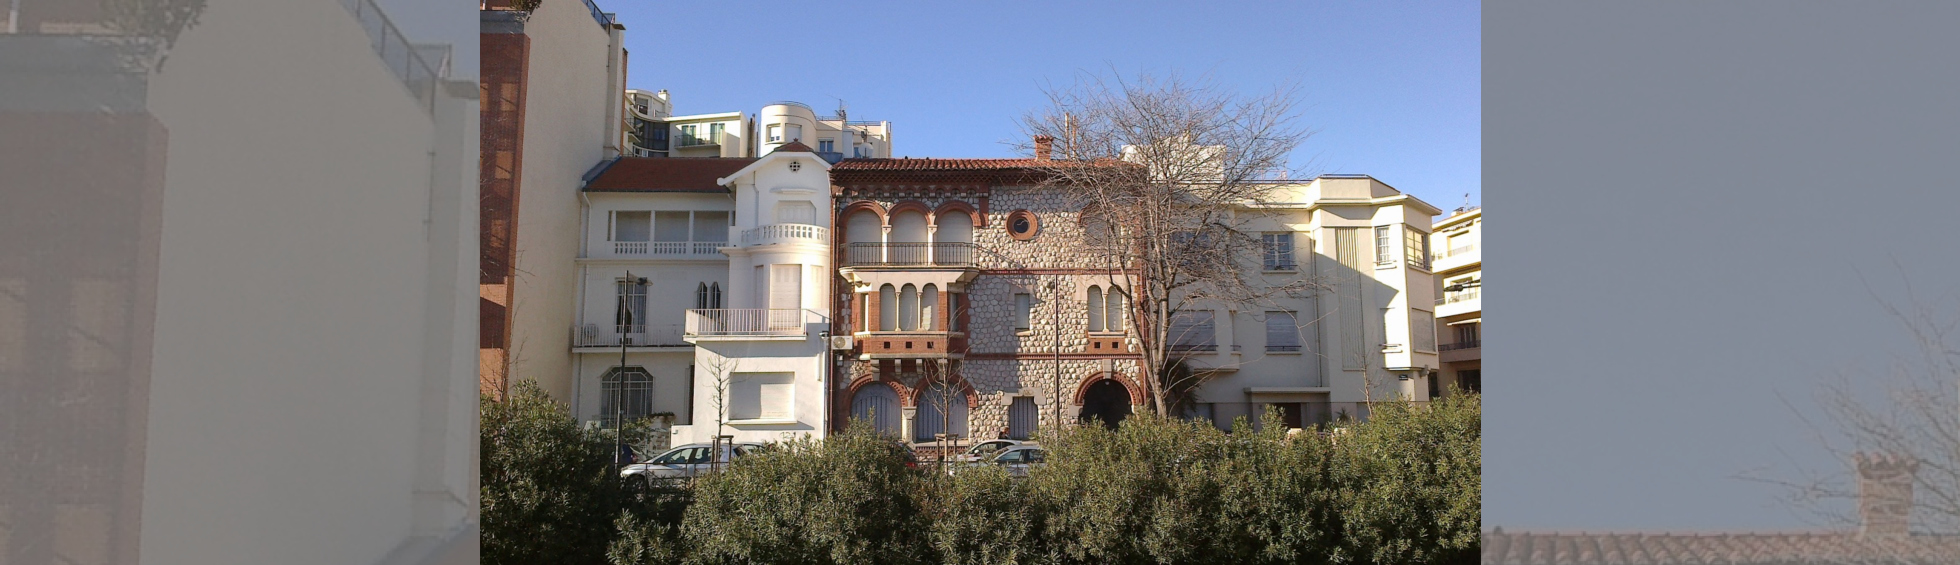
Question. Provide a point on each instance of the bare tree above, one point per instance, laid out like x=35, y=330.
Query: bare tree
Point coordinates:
x=718, y=369
x=942, y=392
x=1169, y=173
x=1909, y=412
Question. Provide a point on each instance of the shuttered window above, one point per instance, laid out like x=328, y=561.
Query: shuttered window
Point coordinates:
x=1282, y=332
x=1023, y=311
x=1193, y=329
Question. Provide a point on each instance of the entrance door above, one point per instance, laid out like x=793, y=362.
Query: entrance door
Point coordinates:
x=1107, y=402
x=1021, y=418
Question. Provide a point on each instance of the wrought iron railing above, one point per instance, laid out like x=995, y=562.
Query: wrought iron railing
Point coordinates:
x=946, y=253
x=651, y=335
x=396, y=52
x=750, y=322
x=1471, y=344
x=1459, y=296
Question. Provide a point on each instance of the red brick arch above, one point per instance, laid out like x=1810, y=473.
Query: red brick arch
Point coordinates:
x=1082, y=389
x=905, y=393
x=979, y=220
x=911, y=397
x=845, y=216
x=909, y=206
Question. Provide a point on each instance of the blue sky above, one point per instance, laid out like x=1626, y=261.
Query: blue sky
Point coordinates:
x=1391, y=89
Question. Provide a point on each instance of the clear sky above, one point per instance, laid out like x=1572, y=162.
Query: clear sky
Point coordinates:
x=1392, y=89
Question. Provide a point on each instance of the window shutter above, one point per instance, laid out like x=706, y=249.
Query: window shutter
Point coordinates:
x=785, y=287
x=1282, y=332
x=1096, y=309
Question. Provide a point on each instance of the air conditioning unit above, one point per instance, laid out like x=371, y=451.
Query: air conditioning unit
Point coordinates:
x=841, y=342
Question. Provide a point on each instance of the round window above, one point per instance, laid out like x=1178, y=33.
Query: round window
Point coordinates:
x=1022, y=225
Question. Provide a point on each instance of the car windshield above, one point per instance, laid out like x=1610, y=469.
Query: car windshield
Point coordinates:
x=677, y=456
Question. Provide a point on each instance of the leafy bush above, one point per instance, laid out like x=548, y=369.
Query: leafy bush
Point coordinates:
x=1402, y=487
x=549, y=493
x=845, y=499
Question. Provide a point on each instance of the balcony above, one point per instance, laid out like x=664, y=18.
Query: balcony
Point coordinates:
x=751, y=322
x=1459, y=302
x=607, y=336
x=774, y=234
x=1460, y=351
x=943, y=254
x=1457, y=257
x=667, y=248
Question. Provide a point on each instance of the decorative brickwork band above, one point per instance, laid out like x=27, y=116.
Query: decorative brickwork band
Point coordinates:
x=1082, y=390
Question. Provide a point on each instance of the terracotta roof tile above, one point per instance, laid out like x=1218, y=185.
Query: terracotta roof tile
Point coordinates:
x=794, y=146
x=1529, y=548
x=666, y=174
x=929, y=164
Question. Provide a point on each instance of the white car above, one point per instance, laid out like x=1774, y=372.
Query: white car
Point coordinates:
x=687, y=461
x=986, y=449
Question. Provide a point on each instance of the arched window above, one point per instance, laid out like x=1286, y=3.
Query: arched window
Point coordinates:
x=625, y=394
x=701, y=296
x=1114, y=320
x=942, y=409
x=908, y=308
x=714, y=296
x=887, y=308
x=927, y=300
x=1095, y=309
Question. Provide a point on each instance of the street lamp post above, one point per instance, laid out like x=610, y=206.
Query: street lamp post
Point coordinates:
x=625, y=338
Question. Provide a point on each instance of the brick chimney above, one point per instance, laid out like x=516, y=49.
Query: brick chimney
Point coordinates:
x=1885, y=493
x=1043, y=146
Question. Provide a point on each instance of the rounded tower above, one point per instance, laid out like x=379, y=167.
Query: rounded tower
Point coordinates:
x=783, y=122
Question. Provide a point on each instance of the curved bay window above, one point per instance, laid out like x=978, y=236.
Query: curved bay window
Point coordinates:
x=625, y=394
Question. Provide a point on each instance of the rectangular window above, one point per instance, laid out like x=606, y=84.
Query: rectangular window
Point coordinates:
x=761, y=396
x=1278, y=251
x=1466, y=335
x=690, y=135
x=714, y=134
x=1384, y=246
x=827, y=145
x=1193, y=330
x=775, y=133
x=631, y=310
x=670, y=226
x=1423, y=326
x=1282, y=332
x=1023, y=311
x=631, y=226
x=795, y=133
x=1418, y=250
x=711, y=227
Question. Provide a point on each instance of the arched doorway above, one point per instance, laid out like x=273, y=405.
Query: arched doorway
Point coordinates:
x=1107, y=401
x=878, y=404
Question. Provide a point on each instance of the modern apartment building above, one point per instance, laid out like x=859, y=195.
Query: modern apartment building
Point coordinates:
x=553, y=90
x=655, y=132
x=1459, y=269
x=1369, y=337
x=214, y=335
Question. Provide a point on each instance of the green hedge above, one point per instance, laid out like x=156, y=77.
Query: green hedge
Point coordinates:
x=1401, y=488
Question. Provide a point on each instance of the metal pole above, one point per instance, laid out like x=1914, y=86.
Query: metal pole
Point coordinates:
x=1056, y=309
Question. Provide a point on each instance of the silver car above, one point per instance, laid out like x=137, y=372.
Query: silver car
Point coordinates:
x=986, y=449
x=1018, y=460
x=687, y=461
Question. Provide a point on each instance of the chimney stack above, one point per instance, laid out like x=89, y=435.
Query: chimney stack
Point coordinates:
x=1885, y=493
x=1043, y=145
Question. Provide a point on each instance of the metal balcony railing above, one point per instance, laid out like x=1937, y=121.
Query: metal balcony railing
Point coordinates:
x=945, y=254
x=751, y=322
x=403, y=59
x=784, y=233
x=1472, y=344
x=1459, y=296
x=1455, y=251
x=608, y=335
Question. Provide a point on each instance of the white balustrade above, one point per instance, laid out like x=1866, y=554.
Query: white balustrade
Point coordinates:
x=785, y=233
x=750, y=322
x=667, y=247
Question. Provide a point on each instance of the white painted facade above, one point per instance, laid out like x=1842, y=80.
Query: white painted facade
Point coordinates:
x=653, y=131
x=1459, y=266
x=1369, y=338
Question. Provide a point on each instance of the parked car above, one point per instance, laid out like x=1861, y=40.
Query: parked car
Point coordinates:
x=1017, y=460
x=687, y=461
x=985, y=449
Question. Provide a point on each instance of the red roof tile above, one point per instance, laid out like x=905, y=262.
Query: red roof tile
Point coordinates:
x=928, y=164
x=666, y=174
x=1526, y=548
x=794, y=146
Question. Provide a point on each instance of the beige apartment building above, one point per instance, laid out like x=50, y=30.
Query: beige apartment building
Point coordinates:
x=1459, y=267
x=553, y=103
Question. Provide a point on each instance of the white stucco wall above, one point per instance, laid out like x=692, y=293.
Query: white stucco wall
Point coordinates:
x=313, y=365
